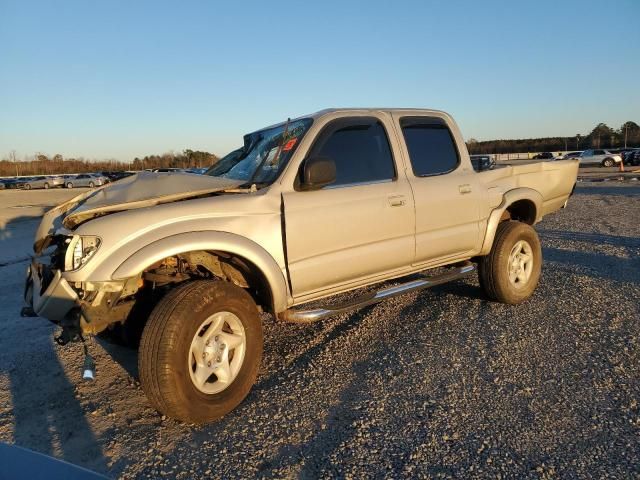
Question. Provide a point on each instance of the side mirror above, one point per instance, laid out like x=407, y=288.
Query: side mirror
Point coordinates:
x=318, y=172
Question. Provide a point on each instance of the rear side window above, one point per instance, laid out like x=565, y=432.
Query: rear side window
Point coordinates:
x=431, y=147
x=360, y=149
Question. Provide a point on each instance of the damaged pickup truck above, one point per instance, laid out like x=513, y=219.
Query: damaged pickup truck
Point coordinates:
x=336, y=201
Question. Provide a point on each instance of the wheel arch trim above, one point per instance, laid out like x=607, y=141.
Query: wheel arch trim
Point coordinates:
x=210, y=240
x=509, y=198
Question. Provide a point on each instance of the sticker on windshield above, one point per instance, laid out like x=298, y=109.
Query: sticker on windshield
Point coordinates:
x=289, y=145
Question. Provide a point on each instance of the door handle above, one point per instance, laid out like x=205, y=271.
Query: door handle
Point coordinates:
x=466, y=188
x=396, y=200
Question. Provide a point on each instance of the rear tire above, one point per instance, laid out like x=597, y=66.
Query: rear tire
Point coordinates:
x=511, y=270
x=608, y=162
x=27, y=187
x=46, y=186
x=91, y=184
x=69, y=185
x=178, y=328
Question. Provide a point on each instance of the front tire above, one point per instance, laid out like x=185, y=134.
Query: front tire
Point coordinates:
x=200, y=351
x=91, y=184
x=46, y=186
x=608, y=162
x=511, y=270
x=69, y=185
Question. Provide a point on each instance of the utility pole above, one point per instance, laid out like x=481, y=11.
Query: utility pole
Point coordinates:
x=577, y=141
x=626, y=127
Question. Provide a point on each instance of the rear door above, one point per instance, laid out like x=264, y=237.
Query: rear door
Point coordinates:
x=360, y=227
x=447, y=193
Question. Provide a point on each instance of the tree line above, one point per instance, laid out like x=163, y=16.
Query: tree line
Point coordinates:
x=41, y=164
x=602, y=136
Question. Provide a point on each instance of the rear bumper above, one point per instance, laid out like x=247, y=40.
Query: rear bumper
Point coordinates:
x=51, y=299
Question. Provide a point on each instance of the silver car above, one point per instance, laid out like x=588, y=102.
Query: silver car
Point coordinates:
x=599, y=157
x=41, y=182
x=85, y=180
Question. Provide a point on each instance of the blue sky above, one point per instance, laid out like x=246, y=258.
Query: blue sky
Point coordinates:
x=119, y=79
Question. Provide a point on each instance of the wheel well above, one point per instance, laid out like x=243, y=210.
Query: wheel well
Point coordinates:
x=522, y=211
x=212, y=264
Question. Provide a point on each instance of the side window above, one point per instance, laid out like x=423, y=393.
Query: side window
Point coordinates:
x=432, y=149
x=598, y=152
x=360, y=149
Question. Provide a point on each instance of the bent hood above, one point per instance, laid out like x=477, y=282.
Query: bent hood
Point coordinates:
x=137, y=191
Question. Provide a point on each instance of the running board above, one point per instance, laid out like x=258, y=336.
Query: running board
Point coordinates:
x=309, y=316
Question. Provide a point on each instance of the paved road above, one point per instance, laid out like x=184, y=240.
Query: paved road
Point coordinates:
x=440, y=383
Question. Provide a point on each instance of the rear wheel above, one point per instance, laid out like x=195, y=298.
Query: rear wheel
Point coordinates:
x=201, y=350
x=27, y=187
x=510, y=273
x=608, y=162
x=91, y=184
x=46, y=186
x=69, y=185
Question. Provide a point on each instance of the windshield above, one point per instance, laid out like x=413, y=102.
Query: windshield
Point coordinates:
x=264, y=154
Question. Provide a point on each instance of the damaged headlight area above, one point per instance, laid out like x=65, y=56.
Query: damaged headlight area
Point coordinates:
x=80, y=250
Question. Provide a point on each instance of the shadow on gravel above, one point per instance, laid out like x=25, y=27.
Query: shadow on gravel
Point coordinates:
x=47, y=414
x=608, y=267
x=623, y=191
x=595, y=238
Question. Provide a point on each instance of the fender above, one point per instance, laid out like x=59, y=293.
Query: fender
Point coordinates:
x=210, y=240
x=509, y=198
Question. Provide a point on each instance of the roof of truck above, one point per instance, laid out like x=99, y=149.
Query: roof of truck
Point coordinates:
x=363, y=110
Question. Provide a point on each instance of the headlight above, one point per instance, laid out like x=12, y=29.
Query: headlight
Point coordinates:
x=80, y=250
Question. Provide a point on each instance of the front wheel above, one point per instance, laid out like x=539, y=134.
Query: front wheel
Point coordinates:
x=510, y=273
x=200, y=351
x=46, y=186
x=608, y=162
x=91, y=184
x=27, y=187
x=69, y=185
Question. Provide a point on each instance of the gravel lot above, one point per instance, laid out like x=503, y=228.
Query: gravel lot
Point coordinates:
x=439, y=383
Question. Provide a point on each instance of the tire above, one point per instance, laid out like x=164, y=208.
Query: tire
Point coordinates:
x=166, y=361
x=69, y=185
x=46, y=186
x=91, y=184
x=608, y=162
x=496, y=273
x=27, y=187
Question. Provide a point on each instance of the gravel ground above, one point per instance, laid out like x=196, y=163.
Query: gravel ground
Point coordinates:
x=440, y=383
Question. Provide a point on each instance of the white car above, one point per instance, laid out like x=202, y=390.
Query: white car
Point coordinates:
x=599, y=157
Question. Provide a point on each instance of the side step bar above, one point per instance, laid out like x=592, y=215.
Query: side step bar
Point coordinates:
x=309, y=316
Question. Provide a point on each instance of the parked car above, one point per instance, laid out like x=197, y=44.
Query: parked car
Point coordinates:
x=168, y=170
x=10, y=183
x=85, y=180
x=633, y=157
x=42, y=182
x=115, y=176
x=544, y=156
x=482, y=162
x=311, y=208
x=569, y=155
x=599, y=157
x=628, y=155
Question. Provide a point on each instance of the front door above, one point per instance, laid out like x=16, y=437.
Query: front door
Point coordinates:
x=357, y=228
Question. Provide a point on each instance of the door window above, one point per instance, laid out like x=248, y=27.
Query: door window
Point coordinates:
x=360, y=149
x=432, y=149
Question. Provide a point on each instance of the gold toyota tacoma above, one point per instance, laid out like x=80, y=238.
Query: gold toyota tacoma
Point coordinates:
x=183, y=265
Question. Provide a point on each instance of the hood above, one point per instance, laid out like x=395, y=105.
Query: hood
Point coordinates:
x=144, y=189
